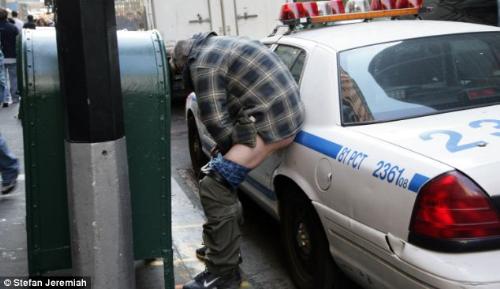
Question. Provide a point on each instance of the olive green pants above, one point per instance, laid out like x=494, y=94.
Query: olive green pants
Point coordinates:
x=221, y=232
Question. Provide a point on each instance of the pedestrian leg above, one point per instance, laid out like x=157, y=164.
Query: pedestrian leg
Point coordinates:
x=9, y=166
x=13, y=82
x=7, y=98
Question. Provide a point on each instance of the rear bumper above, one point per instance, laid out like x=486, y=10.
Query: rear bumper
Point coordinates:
x=377, y=260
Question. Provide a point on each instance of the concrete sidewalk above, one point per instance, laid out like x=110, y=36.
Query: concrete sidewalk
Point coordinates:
x=13, y=249
x=13, y=243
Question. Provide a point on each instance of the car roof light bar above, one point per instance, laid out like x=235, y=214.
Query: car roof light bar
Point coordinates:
x=366, y=15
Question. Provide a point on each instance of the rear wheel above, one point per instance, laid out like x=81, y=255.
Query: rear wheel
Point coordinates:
x=306, y=246
x=198, y=157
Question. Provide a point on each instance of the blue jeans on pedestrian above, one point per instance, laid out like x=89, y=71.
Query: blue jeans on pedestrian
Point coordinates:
x=3, y=83
x=9, y=165
x=11, y=87
x=2, y=94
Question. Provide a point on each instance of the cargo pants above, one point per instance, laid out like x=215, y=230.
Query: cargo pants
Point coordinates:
x=221, y=232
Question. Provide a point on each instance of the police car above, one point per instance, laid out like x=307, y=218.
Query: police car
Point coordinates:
x=395, y=178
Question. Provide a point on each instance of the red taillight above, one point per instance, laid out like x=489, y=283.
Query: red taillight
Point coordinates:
x=452, y=207
x=475, y=94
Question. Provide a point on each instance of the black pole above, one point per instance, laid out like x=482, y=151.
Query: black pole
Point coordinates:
x=89, y=70
x=96, y=158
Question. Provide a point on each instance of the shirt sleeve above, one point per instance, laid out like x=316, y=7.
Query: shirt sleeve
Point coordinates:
x=211, y=96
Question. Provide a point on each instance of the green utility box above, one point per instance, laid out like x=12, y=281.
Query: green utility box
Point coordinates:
x=146, y=103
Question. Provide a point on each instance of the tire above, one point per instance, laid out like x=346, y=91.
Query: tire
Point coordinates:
x=198, y=157
x=306, y=247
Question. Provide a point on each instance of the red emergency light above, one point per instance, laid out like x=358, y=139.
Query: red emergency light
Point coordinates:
x=383, y=5
x=299, y=10
x=310, y=8
x=334, y=10
x=337, y=6
x=415, y=3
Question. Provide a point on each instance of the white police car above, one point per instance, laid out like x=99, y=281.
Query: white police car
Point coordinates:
x=397, y=170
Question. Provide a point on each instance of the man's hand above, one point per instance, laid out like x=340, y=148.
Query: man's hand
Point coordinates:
x=244, y=131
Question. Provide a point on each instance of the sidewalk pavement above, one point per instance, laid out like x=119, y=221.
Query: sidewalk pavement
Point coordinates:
x=13, y=259
x=13, y=243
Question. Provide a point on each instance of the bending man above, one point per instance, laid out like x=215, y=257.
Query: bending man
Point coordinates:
x=250, y=105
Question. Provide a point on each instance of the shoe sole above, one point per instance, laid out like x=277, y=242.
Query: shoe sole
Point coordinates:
x=9, y=190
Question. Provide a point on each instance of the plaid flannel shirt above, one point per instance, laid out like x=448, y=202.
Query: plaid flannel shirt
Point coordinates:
x=237, y=81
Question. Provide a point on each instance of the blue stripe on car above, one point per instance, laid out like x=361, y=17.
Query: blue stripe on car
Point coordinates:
x=261, y=188
x=417, y=182
x=318, y=144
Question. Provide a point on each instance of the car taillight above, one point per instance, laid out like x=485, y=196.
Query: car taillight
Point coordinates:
x=452, y=207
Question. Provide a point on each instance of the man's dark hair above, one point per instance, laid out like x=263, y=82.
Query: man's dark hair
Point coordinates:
x=14, y=14
x=3, y=14
x=31, y=18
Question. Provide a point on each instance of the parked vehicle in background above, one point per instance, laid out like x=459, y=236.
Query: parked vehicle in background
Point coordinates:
x=473, y=11
x=180, y=19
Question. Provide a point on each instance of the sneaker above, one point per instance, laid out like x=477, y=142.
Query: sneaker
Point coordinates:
x=5, y=104
x=207, y=280
x=9, y=187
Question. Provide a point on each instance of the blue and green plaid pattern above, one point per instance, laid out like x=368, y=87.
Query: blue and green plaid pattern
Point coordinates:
x=237, y=77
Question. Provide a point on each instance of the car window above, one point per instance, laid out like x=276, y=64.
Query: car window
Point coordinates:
x=296, y=68
x=419, y=77
x=293, y=58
